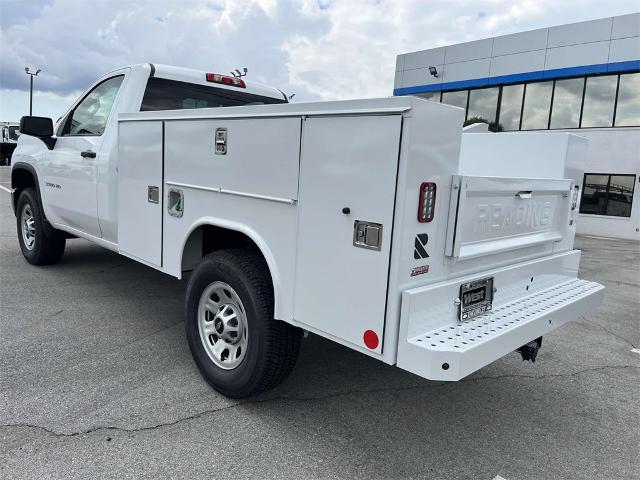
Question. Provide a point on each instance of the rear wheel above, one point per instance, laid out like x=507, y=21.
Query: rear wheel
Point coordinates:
x=39, y=245
x=237, y=345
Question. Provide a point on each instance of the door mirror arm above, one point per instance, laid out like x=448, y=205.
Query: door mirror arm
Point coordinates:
x=50, y=142
x=39, y=127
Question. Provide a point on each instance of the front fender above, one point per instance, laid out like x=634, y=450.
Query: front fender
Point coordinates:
x=28, y=155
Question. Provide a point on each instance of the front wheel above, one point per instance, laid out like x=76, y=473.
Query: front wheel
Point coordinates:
x=38, y=246
x=237, y=345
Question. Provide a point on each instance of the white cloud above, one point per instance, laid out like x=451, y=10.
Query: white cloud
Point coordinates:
x=356, y=56
x=45, y=104
x=318, y=49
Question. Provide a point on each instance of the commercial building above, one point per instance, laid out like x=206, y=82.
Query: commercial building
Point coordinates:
x=582, y=78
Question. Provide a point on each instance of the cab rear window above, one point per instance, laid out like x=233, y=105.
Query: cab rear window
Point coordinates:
x=164, y=94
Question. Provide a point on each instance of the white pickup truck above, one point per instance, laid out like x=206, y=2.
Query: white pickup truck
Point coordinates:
x=355, y=220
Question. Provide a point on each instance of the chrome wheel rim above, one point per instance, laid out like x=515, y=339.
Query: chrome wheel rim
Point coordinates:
x=28, y=227
x=222, y=323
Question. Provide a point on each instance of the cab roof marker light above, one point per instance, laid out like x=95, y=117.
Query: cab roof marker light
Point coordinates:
x=225, y=80
x=427, y=202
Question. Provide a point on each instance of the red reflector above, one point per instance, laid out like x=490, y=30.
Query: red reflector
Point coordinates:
x=427, y=202
x=226, y=80
x=370, y=339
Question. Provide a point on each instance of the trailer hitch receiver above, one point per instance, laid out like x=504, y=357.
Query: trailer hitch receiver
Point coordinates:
x=530, y=350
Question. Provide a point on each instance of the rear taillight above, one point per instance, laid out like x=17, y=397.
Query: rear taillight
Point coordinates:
x=226, y=80
x=427, y=203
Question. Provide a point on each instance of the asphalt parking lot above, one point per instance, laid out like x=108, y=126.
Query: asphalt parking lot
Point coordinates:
x=96, y=381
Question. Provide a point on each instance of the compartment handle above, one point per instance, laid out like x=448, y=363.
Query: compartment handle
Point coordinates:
x=524, y=194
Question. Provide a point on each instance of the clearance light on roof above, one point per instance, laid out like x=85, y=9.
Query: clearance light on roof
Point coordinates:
x=427, y=202
x=226, y=80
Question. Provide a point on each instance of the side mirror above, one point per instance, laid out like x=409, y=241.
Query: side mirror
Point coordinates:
x=41, y=127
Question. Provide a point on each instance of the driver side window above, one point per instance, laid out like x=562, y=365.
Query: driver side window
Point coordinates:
x=91, y=114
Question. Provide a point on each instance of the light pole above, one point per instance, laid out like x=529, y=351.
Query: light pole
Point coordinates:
x=31, y=75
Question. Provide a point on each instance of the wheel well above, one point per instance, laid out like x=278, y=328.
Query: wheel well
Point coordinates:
x=210, y=238
x=21, y=179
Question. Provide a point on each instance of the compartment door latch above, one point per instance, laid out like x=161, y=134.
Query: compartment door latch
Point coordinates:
x=221, y=141
x=367, y=235
x=153, y=194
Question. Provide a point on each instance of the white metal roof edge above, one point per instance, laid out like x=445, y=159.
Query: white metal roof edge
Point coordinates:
x=198, y=77
x=386, y=105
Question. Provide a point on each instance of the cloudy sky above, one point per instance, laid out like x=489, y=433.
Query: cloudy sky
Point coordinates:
x=317, y=49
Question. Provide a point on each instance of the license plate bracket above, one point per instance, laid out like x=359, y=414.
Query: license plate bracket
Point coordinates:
x=476, y=298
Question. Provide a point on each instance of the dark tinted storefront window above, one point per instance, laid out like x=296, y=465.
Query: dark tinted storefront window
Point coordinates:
x=599, y=99
x=567, y=100
x=565, y=103
x=510, y=107
x=483, y=103
x=457, y=99
x=628, y=110
x=604, y=194
x=537, y=105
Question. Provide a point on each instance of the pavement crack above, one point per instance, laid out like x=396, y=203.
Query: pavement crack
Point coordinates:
x=109, y=428
x=619, y=337
x=293, y=398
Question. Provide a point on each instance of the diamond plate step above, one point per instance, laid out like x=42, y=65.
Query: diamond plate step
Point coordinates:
x=457, y=351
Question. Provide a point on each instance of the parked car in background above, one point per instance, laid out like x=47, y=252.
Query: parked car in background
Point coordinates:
x=9, y=133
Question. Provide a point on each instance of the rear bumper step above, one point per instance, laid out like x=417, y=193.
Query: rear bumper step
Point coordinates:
x=453, y=352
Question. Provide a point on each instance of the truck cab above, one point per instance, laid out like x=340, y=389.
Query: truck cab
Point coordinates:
x=77, y=177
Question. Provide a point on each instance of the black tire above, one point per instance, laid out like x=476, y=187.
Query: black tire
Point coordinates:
x=48, y=244
x=272, y=345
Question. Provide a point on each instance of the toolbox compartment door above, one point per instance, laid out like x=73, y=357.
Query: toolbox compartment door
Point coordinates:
x=490, y=215
x=347, y=184
x=140, y=191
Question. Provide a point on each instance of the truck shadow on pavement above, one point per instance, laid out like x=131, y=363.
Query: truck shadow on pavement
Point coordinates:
x=112, y=359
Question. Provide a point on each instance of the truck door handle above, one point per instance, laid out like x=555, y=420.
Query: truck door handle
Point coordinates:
x=88, y=154
x=524, y=194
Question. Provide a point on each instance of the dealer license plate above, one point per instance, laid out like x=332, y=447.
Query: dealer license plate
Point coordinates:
x=475, y=298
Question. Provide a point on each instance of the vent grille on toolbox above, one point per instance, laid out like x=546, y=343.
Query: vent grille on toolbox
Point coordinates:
x=503, y=318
